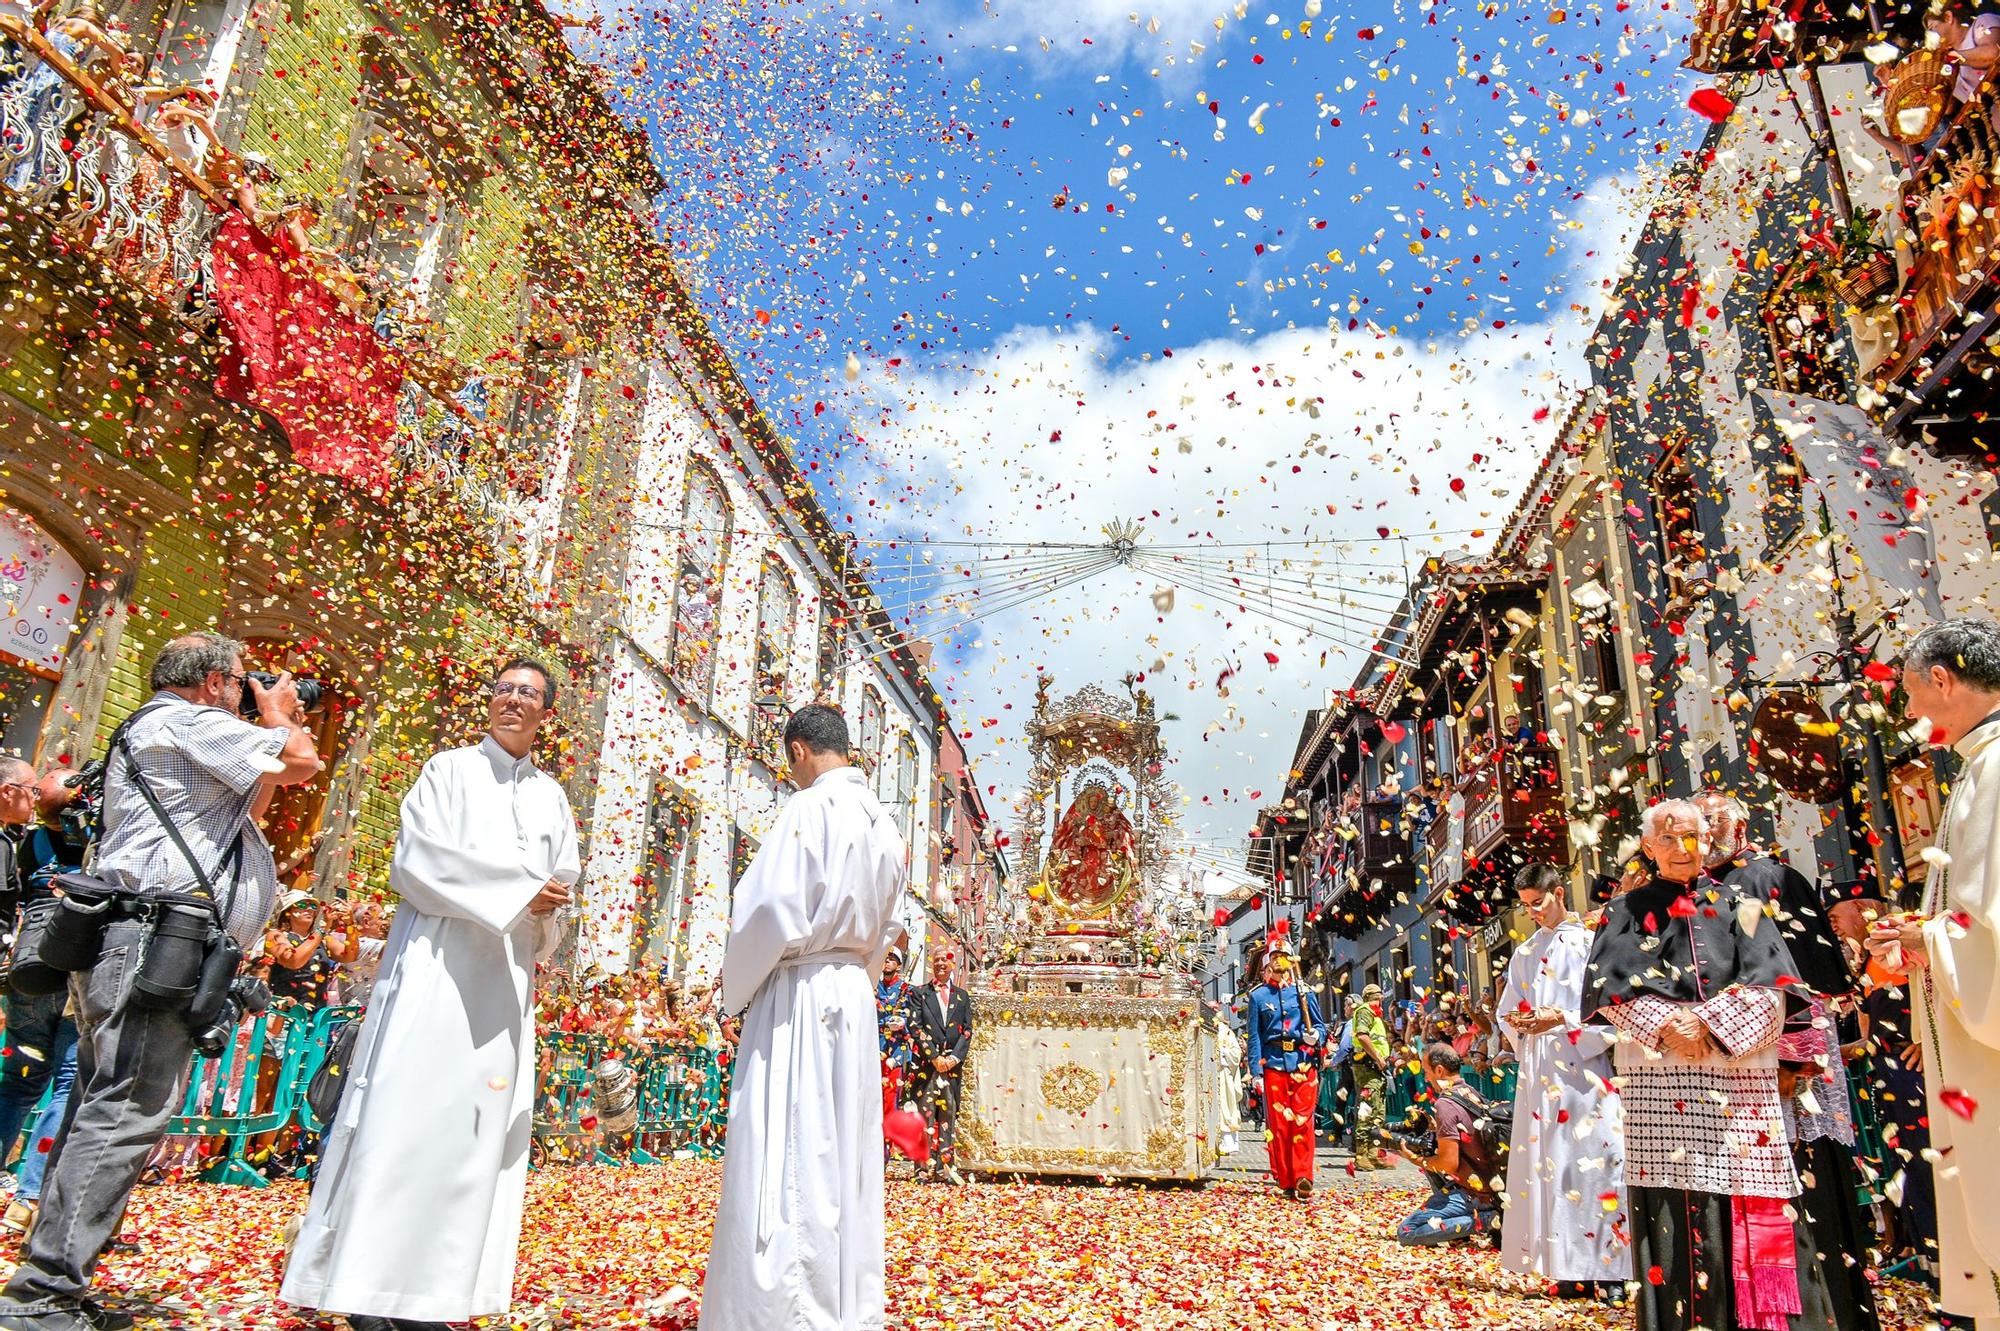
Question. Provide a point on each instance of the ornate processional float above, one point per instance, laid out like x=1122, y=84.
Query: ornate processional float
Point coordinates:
x=1090, y=1054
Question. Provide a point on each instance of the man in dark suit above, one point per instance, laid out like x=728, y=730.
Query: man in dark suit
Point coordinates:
x=944, y=1038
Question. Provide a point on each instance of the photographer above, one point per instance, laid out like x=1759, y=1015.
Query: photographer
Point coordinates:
x=17, y=809
x=1459, y=1162
x=41, y=1033
x=212, y=774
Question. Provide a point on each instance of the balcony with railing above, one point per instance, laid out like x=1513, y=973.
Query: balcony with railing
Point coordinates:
x=71, y=147
x=1501, y=807
x=136, y=188
x=1947, y=303
x=1745, y=36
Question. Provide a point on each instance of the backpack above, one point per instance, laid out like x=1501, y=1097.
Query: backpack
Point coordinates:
x=1493, y=1122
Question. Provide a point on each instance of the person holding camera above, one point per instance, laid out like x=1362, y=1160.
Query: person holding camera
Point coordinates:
x=187, y=780
x=41, y=1032
x=1460, y=1162
x=415, y=1219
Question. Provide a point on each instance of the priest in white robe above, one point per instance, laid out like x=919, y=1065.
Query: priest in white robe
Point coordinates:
x=799, y=1232
x=1565, y=1219
x=1951, y=950
x=416, y=1213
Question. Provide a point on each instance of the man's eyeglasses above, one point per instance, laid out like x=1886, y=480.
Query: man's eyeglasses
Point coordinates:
x=6, y=786
x=525, y=692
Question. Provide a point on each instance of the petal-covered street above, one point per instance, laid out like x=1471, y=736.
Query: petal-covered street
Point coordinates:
x=611, y=1247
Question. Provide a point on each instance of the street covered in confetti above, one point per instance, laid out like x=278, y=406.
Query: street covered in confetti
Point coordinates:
x=614, y=1251
x=765, y=664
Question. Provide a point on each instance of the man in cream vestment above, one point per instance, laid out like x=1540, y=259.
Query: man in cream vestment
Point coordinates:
x=1951, y=949
x=799, y=1232
x=415, y=1218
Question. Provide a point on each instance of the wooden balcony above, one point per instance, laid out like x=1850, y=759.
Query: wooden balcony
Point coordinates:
x=118, y=196
x=1947, y=311
x=1515, y=798
x=1384, y=843
x=1745, y=36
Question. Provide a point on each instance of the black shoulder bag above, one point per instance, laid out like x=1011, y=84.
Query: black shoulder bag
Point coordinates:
x=65, y=934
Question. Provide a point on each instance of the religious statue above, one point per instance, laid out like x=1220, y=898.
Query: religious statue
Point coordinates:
x=1091, y=854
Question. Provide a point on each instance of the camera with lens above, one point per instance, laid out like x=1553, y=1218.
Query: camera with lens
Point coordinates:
x=77, y=823
x=1415, y=1133
x=310, y=691
x=246, y=996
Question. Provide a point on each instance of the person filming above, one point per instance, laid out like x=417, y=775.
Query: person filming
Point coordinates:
x=183, y=792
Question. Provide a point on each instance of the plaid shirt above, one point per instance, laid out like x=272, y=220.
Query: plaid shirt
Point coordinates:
x=203, y=764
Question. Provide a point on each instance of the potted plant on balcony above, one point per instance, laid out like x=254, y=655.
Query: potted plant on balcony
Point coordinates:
x=1863, y=272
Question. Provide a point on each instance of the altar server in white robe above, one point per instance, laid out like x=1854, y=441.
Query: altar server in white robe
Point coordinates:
x=415, y=1218
x=799, y=1232
x=1565, y=1219
x=1951, y=951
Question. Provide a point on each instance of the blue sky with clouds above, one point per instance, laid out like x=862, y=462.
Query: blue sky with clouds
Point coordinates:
x=1005, y=271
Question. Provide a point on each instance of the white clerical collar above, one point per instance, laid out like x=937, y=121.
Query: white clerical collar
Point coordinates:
x=504, y=761
x=1977, y=738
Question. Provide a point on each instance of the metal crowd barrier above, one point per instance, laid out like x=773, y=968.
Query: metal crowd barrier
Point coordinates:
x=680, y=1102
x=224, y=1091
x=237, y=1095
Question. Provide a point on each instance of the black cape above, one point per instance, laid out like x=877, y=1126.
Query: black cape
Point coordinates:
x=1684, y=942
x=1801, y=918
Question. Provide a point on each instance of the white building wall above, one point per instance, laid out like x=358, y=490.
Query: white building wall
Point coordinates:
x=654, y=734
x=1786, y=592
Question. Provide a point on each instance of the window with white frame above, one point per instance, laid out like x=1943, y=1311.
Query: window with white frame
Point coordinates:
x=873, y=719
x=777, y=621
x=907, y=793
x=666, y=906
x=704, y=553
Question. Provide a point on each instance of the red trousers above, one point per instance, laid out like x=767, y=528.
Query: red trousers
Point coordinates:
x=892, y=1083
x=1290, y=1100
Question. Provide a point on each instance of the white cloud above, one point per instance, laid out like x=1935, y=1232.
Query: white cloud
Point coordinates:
x=1221, y=443
x=1101, y=30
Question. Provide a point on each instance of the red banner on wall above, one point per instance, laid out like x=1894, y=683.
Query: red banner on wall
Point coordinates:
x=292, y=352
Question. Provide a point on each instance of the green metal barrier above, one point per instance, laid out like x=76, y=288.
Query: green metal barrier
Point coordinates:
x=222, y=1095
x=564, y=1113
x=680, y=1093
x=317, y=1037
x=680, y=1101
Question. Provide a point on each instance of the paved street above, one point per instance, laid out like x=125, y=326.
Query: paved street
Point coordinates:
x=608, y=1248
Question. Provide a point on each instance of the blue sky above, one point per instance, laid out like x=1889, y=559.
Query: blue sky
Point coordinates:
x=961, y=251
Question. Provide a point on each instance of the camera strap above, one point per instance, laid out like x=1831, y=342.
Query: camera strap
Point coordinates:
x=232, y=858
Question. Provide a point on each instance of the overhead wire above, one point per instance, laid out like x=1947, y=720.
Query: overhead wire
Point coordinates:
x=1246, y=595
x=900, y=638
x=949, y=589
x=1193, y=583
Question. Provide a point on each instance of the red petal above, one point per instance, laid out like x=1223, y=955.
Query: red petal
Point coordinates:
x=1710, y=104
x=1959, y=1103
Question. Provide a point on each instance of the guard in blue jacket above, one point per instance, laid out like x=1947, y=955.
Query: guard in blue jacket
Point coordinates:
x=1287, y=1040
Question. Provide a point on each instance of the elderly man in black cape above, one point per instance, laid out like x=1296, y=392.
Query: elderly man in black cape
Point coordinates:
x=1694, y=975
x=1819, y=1111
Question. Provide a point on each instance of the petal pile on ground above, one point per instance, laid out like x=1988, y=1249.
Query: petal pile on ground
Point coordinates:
x=625, y=1248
